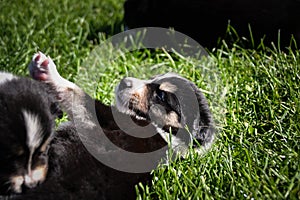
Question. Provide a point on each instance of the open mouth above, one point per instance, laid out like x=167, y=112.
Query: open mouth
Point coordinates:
x=138, y=114
x=126, y=105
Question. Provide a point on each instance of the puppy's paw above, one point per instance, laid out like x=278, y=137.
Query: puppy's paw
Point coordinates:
x=42, y=68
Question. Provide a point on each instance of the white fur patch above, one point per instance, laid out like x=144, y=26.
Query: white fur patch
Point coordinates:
x=34, y=134
x=6, y=77
x=34, y=130
x=35, y=176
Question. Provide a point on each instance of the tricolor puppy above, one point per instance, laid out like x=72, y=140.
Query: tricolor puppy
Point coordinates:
x=170, y=102
x=27, y=125
x=82, y=162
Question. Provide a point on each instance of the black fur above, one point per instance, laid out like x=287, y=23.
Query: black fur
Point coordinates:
x=17, y=95
x=75, y=174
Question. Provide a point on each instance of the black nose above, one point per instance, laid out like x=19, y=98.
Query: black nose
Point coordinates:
x=125, y=83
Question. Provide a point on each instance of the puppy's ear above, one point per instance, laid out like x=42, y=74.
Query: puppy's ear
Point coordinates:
x=55, y=110
x=204, y=133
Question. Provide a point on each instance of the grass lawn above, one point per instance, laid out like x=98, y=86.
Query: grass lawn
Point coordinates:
x=256, y=154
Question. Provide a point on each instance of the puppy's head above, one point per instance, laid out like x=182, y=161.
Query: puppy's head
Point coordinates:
x=27, y=122
x=169, y=101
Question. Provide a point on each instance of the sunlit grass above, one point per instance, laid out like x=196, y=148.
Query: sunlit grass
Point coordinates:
x=254, y=95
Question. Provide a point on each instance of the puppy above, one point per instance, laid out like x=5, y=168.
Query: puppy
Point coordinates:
x=104, y=151
x=27, y=122
x=170, y=102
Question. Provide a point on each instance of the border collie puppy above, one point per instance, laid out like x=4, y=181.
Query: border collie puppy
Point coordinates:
x=170, y=102
x=27, y=124
x=91, y=156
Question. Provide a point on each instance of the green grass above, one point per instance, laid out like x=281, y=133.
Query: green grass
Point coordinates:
x=257, y=152
x=256, y=155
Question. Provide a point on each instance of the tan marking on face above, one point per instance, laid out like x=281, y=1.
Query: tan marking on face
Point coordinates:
x=16, y=183
x=139, y=99
x=45, y=146
x=168, y=87
x=159, y=115
x=172, y=119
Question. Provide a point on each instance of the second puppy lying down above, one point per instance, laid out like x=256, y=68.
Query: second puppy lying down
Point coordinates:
x=27, y=125
x=146, y=112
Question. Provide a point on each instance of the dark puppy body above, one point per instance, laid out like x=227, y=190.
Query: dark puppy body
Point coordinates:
x=89, y=156
x=27, y=125
x=74, y=173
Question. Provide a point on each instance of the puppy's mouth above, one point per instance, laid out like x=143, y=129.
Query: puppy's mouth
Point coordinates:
x=18, y=183
x=126, y=104
x=149, y=100
x=138, y=114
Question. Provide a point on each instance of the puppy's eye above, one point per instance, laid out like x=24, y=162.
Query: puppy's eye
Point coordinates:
x=161, y=95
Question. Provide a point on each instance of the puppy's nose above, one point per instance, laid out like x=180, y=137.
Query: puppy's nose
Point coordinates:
x=125, y=83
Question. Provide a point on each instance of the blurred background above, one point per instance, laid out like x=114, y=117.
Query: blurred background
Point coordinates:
x=207, y=20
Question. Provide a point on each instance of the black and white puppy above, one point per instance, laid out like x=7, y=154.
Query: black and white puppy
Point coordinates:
x=82, y=161
x=27, y=123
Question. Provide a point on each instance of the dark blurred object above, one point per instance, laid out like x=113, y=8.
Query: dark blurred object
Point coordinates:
x=207, y=20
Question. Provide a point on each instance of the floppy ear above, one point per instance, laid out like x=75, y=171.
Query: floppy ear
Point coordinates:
x=204, y=128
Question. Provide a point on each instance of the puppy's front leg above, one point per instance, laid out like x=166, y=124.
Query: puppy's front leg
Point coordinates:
x=74, y=101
